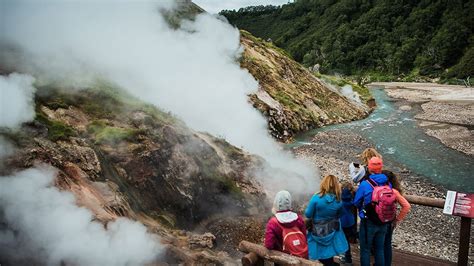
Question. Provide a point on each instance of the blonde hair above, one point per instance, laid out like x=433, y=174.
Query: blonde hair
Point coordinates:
x=330, y=184
x=367, y=154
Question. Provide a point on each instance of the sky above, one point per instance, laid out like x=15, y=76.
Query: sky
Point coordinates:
x=214, y=6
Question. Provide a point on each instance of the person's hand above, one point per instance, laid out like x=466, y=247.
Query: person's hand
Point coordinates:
x=394, y=224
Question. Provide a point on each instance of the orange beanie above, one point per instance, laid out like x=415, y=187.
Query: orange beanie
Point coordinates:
x=375, y=165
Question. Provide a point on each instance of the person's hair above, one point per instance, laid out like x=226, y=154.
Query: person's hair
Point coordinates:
x=330, y=184
x=369, y=153
x=347, y=185
x=395, y=181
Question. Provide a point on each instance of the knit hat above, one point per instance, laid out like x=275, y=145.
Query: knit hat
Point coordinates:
x=282, y=207
x=375, y=165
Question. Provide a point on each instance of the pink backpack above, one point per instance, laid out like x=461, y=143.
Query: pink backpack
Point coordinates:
x=383, y=203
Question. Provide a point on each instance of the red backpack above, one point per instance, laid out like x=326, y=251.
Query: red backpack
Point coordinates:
x=294, y=241
x=382, y=209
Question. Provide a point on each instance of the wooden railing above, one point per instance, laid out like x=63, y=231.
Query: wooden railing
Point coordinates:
x=464, y=233
x=257, y=254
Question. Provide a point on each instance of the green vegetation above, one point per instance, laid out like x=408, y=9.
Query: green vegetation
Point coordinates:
x=56, y=130
x=265, y=43
x=102, y=101
x=341, y=82
x=103, y=133
x=384, y=39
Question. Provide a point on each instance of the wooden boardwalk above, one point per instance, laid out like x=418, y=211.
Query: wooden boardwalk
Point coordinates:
x=401, y=257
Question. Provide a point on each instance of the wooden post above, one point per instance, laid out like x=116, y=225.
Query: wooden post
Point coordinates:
x=464, y=239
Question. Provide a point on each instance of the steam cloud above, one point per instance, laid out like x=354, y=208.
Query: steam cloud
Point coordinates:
x=16, y=100
x=349, y=93
x=191, y=71
x=44, y=223
x=39, y=223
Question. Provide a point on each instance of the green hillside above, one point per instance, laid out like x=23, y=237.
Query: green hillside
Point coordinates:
x=394, y=38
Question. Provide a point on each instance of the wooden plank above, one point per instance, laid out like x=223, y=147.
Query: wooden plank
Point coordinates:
x=401, y=257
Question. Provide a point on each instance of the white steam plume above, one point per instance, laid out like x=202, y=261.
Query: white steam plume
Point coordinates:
x=16, y=100
x=349, y=93
x=45, y=224
x=192, y=71
x=40, y=223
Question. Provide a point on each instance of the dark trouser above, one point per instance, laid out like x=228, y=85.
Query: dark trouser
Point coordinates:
x=387, y=248
x=349, y=232
x=371, y=234
x=328, y=262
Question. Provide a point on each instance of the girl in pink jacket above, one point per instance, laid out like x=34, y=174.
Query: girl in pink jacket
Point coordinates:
x=286, y=230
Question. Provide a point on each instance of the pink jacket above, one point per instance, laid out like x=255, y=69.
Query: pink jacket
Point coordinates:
x=273, y=233
x=405, y=206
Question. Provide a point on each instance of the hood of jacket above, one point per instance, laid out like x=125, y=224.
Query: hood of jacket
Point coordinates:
x=286, y=218
x=380, y=179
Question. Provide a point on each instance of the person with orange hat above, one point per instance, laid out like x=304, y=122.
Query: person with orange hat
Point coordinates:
x=371, y=233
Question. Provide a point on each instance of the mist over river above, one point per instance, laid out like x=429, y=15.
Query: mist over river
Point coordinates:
x=396, y=134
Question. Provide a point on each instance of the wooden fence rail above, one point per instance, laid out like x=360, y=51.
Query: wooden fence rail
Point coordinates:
x=257, y=254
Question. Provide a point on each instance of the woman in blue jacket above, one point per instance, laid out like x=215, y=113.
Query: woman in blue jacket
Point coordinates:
x=326, y=239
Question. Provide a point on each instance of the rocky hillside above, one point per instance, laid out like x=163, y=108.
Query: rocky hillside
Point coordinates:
x=290, y=96
x=123, y=158
x=292, y=99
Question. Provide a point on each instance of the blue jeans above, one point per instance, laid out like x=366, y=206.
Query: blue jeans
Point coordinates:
x=371, y=234
x=388, y=246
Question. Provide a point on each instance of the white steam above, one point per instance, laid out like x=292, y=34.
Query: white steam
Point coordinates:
x=192, y=71
x=349, y=93
x=44, y=223
x=6, y=148
x=40, y=223
x=16, y=100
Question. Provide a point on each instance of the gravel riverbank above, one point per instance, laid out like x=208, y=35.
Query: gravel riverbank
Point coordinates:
x=426, y=230
x=447, y=110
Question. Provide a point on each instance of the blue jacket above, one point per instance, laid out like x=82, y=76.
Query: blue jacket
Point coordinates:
x=347, y=218
x=363, y=194
x=324, y=208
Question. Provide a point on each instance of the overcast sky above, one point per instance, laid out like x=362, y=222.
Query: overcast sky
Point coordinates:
x=214, y=6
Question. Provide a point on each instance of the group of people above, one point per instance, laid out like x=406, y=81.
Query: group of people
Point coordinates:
x=332, y=216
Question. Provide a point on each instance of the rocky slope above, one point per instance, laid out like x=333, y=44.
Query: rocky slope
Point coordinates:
x=122, y=158
x=290, y=96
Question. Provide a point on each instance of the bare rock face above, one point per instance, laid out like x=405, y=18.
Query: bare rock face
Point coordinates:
x=123, y=160
x=202, y=241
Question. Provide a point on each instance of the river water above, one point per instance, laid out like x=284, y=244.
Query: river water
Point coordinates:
x=398, y=137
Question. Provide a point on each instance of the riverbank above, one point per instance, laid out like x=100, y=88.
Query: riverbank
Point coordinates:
x=447, y=110
x=426, y=230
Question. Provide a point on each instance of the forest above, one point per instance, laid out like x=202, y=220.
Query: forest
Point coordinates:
x=393, y=39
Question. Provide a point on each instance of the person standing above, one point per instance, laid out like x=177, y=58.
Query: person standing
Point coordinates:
x=371, y=232
x=359, y=171
x=326, y=238
x=405, y=209
x=348, y=218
